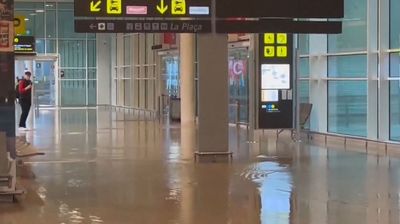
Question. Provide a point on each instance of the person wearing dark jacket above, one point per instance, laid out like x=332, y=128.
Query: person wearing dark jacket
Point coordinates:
x=25, y=98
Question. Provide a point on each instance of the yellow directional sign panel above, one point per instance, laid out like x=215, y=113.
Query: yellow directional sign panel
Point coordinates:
x=178, y=7
x=269, y=51
x=114, y=7
x=269, y=38
x=281, y=38
x=162, y=8
x=281, y=51
x=95, y=6
x=19, y=25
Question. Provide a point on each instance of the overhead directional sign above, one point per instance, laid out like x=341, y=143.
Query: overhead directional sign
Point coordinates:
x=95, y=6
x=143, y=8
x=142, y=26
x=280, y=9
x=162, y=8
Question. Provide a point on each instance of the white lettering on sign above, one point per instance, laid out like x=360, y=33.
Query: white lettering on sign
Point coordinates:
x=187, y=27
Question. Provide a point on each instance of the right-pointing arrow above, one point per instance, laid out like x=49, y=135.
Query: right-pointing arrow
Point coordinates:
x=95, y=7
x=162, y=8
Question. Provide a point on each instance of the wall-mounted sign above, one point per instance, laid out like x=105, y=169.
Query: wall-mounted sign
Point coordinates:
x=24, y=45
x=142, y=8
x=19, y=25
x=144, y=26
x=280, y=9
x=275, y=107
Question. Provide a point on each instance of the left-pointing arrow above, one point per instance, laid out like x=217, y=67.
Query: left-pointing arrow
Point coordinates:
x=95, y=7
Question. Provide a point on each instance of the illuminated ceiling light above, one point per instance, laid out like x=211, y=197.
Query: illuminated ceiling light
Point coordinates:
x=32, y=14
x=26, y=19
x=39, y=10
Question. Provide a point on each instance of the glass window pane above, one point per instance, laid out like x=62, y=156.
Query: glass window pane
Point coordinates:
x=304, y=40
x=91, y=53
x=92, y=92
x=92, y=73
x=34, y=22
x=74, y=73
x=51, y=46
x=304, y=67
x=40, y=46
x=347, y=107
x=127, y=50
x=395, y=65
x=395, y=110
x=65, y=5
x=394, y=24
x=354, y=35
x=66, y=26
x=353, y=66
x=72, y=53
x=304, y=91
x=73, y=92
x=51, y=24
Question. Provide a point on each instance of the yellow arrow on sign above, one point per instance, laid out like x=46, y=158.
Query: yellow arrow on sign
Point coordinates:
x=161, y=7
x=95, y=7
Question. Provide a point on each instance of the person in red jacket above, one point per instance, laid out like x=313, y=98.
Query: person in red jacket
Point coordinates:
x=25, y=98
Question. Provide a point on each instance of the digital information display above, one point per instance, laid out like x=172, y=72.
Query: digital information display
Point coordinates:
x=24, y=45
x=143, y=8
x=280, y=9
x=275, y=76
x=275, y=107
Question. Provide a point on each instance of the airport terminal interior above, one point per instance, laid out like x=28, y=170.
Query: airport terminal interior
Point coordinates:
x=198, y=128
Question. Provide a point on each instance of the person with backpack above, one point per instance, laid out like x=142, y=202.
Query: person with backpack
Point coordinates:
x=25, y=99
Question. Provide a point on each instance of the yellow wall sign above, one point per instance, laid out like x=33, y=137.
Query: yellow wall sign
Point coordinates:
x=114, y=7
x=178, y=7
x=269, y=38
x=19, y=25
x=269, y=51
x=281, y=38
x=281, y=51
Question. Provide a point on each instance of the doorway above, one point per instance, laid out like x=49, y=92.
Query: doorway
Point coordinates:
x=44, y=77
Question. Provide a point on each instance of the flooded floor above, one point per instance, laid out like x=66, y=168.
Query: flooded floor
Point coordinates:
x=107, y=167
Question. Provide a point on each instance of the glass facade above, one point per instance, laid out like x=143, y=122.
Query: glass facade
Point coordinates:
x=134, y=74
x=52, y=25
x=347, y=107
x=357, y=72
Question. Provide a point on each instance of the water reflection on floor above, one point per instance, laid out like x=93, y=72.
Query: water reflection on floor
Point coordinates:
x=109, y=167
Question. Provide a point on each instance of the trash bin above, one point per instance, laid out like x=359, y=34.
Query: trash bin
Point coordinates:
x=175, y=108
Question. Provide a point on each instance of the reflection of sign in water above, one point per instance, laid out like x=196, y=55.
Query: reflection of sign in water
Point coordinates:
x=275, y=76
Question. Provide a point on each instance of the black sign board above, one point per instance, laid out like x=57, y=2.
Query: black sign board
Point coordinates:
x=143, y=8
x=278, y=25
x=275, y=81
x=142, y=26
x=24, y=45
x=280, y=9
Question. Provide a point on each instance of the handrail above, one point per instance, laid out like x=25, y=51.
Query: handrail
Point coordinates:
x=349, y=137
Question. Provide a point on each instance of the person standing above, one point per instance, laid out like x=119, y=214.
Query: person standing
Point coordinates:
x=25, y=99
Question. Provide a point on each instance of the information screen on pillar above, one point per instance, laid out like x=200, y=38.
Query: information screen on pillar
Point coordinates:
x=275, y=108
x=280, y=8
x=275, y=76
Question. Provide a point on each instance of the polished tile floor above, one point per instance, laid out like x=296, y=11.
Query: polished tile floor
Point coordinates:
x=108, y=167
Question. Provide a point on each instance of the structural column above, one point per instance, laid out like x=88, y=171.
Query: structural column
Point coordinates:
x=213, y=93
x=187, y=69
